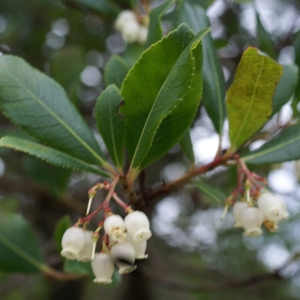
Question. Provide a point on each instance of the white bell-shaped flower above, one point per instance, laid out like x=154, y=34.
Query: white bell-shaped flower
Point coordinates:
x=114, y=226
x=72, y=242
x=285, y=213
x=237, y=210
x=103, y=268
x=124, y=256
x=124, y=17
x=138, y=226
x=143, y=34
x=271, y=207
x=130, y=31
x=252, y=219
x=139, y=248
x=86, y=254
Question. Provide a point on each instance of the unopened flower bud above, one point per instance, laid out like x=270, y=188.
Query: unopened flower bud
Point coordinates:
x=124, y=17
x=72, y=242
x=130, y=31
x=114, y=226
x=139, y=248
x=138, y=226
x=237, y=211
x=86, y=254
x=271, y=207
x=252, y=219
x=103, y=268
x=124, y=256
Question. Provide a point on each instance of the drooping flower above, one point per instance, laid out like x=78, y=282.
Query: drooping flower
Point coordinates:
x=86, y=254
x=124, y=256
x=72, y=242
x=124, y=17
x=114, y=226
x=103, y=268
x=138, y=226
x=252, y=219
x=237, y=211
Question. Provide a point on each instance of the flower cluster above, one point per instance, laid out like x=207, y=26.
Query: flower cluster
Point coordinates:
x=257, y=206
x=132, y=27
x=270, y=210
x=123, y=241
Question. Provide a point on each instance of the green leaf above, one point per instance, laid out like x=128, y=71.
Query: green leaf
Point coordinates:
x=115, y=71
x=132, y=53
x=215, y=195
x=213, y=96
x=65, y=71
x=49, y=155
x=77, y=267
x=19, y=248
x=286, y=87
x=39, y=106
x=284, y=147
x=61, y=226
x=187, y=146
x=155, y=30
x=103, y=7
x=264, y=39
x=296, y=44
x=249, y=98
x=54, y=178
x=151, y=96
x=110, y=124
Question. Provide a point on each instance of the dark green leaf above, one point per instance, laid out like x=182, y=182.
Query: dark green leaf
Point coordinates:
x=61, y=226
x=54, y=178
x=249, y=98
x=132, y=53
x=187, y=146
x=103, y=7
x=264, y=39
x=115, y=71
x=284, y=147
x=155, y=29
x=213, y=80
x=151, y=96
x=111, y=124
x=296, y=44
x=286, y=87
x=19, y=249
x=39, y=106
x=65, y=71
x=77, y=267
x=215, y=195
x=49, y=155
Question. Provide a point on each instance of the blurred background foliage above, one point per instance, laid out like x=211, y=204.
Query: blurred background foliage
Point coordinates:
x=193, y=255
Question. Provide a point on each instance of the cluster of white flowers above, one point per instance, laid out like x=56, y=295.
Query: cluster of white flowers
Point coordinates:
x=132, y=31
x=271, y=210
x=127, y=242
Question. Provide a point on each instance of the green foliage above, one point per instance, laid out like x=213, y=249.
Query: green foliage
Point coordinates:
x=264, y=39
x=151, y=96
x=286, y=87
x=282, y=148
x=214, y=194
x=111, y=124
x=213, y=81
x=116, y=70
x=104, y=7
x=19, y=248
x=187, y=146
x=249, y=98
x=38, y=105
x=155, y=29
x=49, y=155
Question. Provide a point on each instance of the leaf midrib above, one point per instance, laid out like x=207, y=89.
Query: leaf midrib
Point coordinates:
x=264, y=152
x=59, y=120
x=250, y=105
x=17, y=250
